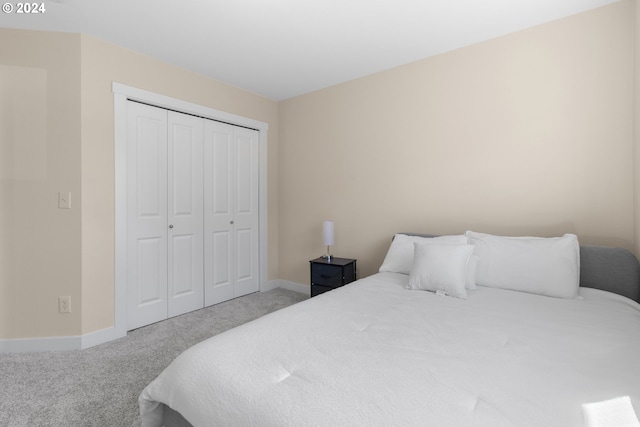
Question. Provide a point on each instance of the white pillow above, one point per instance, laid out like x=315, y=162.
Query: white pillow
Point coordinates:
x=440, y=267
x=544, y=266
x=472, y=266
x=399, y=258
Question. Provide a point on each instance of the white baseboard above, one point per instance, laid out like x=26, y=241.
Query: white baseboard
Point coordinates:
x=286, y=284
x=78, y=342
x=28, y=345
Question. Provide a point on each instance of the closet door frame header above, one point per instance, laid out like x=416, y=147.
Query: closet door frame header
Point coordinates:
x=122, y=94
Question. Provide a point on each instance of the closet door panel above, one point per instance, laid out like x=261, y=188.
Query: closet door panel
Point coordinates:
x=246, y=211
x=245, y=273
x=220, y=179
x=220, y=286
x=245, y=179
x=219, y=212
x=244, y=245
x=181, y=263
x=185, y=217
x=150, y=257
x=146, y=215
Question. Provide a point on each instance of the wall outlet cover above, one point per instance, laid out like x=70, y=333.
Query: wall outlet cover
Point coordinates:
x=64, y=305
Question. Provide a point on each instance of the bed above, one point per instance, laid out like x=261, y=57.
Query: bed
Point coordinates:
x=385, y=351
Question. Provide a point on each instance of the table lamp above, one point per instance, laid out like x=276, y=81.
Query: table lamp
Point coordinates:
x=327, y=237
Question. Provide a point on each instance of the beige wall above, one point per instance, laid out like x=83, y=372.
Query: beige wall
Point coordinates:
x=530, y=133
x=39, y=157
x=50, y=252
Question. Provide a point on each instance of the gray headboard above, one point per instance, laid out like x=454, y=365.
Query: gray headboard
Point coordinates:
x=609, y=269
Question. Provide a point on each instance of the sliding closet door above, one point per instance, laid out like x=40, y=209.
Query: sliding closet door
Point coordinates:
x=231, y=212
x=146, y=215
x=185, y=214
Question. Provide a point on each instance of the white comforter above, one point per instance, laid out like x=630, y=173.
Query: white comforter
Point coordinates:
x=373, y=353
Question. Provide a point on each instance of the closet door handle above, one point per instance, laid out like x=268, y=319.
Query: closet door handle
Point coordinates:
x=170, y=225
x=231, y=222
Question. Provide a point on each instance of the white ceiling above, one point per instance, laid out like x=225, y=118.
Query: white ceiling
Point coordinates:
x=284, y=48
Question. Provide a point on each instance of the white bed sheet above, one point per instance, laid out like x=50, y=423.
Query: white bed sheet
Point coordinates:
x=374, y=353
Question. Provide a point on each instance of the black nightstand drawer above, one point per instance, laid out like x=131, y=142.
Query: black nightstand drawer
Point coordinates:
x=327, y=274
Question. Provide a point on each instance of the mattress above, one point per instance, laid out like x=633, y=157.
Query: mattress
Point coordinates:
x=375, y=353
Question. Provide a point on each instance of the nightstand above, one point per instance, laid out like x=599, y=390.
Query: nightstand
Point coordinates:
x=330, y=274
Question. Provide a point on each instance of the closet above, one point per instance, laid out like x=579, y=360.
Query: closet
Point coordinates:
x=192, y=213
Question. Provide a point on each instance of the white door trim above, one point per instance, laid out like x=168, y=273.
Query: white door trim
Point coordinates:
x=121, y=94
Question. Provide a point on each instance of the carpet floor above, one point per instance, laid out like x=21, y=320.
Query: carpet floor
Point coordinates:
x=100, y=386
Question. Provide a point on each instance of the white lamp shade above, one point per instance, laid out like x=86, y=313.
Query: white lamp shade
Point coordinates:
x=327, y=233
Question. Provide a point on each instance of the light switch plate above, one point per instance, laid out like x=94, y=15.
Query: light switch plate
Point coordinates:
x=64, y=200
